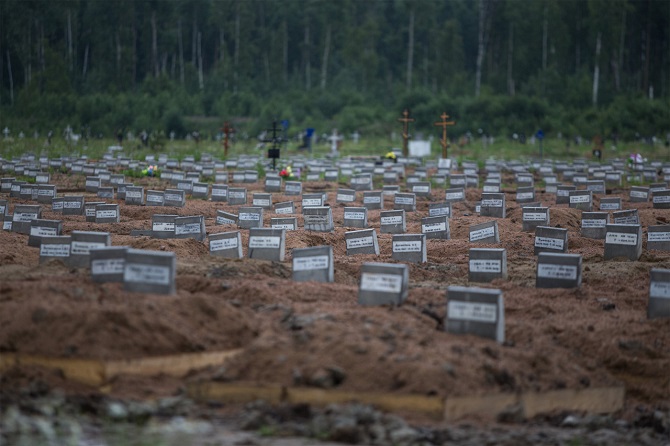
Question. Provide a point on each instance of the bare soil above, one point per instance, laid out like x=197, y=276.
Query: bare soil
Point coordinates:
x=315, y=334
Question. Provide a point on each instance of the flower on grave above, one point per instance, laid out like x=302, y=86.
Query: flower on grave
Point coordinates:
x=150, y=171
x=635, y=158
x=286, y=172
x=390, y=155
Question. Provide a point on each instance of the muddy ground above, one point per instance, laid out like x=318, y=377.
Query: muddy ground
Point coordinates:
x=313, y=334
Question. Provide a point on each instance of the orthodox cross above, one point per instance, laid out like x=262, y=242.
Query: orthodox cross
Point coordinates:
x=405, y=132
x=273, y=152
x=227, y=130
x=444, y=124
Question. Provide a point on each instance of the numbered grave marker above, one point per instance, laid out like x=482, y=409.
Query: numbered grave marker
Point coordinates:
x=638, y=194
x=563, y=193
x=250, y=217
x=623, y=241
x=475, y=311
x=627, y=217
x=392, y=222
x=548, y=239
x=107, y=264
x=226, y=218
x=661, y=199
x=89, y=210
x=421, y=189
x=594, y=224
x=439, y=210
x=345, y=196
x=162, y=226
x=174, y=198
x=487, y=264
x=4, y=208
x=219, y=192
x=106, y=192
x=23, y=216
x=610, y=204
x=581, y=199
x=190, y=227
x=355, y=217
x=272, y=183
x=596, y=186
x=436, y=227
x=493, y=205
x=453, y=195
x=81, y=243
x=92, y=184
x=267, y=244
x=525, y=194
x=293, y=188
x=361, y=182
x=40, y=228
x=318, y=219
x=237, y=196
x=361, y=242
x=658, y=237
x=262, y=200
x=200, y=190
x=532, y=217
x=286, y=223
x=383, y=284
x=405, y=201
x=134, y=195
x=484, y=232
x=226, y=244
x=155, y=198
x=150, y=272
x=47, y=192
x=313, y=264
x=409, y=248
x=373, y=200
x=107, y=213
x=57, y=247
x=558, y=270
x=659, y=294
x=311, y=200
x=121, y=190
x=286, y=207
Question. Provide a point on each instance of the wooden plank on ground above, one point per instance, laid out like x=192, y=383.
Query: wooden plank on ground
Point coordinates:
x=596, y=400
x=236, y=392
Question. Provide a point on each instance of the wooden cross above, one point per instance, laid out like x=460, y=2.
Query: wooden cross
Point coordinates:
x=405, y=132
x=227, y=130
x=273, y=152
x=444, y=124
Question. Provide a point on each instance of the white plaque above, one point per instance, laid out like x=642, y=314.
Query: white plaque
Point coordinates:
x=223, y=243
x=385, y=283
x=550, y=243
x=639, y=194
x=550, y=271
x=594, y=223
x=407, y=246
x=56, y=250
x=264, y=242
x=151, y=274
x=83, y=248
x=659, y=290
x=310, y=263
x=42, y=231
x=485, y=266
x=534, y=216
x=580, y=199
x=162, y=226
x=483, y=233
x=372, y=199
x=472, y=311
x=106, y=213
x=107, y=266
x=261, y=202
x=188, y=228
x=249, y=216
x=621, y=238
x=658, y=236
x=391, y=220
x=284, y=210
x=72, y=204
x=173, y=197
x=360, y=242
x=354, y=215
x=311, y=202
x=434, y=227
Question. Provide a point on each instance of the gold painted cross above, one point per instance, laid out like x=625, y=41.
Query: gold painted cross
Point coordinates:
x=405, y=132
x=444, y=124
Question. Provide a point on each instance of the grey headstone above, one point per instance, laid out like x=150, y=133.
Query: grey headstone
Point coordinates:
x=150, y=272
x=548, y=239
x=155, y=198
x=355, y=217
x=220, y=192
x=272, y=183
x=200, y=190
x=40, y=228
x=345, y=196
x=405, y=201
x=558, y=270
x=486, y=232
x=292, y=188
x=313, y=264
x=162, y=226
x=491, y=187
x=82, y=242
x=331, y=175
x=46, y=193
x=89, y=210
x=27, y=191
x=457, y=182
x=134, y=195
x=284, y=208
x=190, y=227
x=581, y=199
x=659, y=294
x=286, y=223
x=73, y=205
x=532, y=217
x=15, y=190
x=638, y=194
x=121, y=190
x=409, y=248
x=383, y=284
x=594, y=224
x=267, y=244
x=312, y=200
x=361, y=242
x=658, y=237
x=373, y=200
x=262, y=200
x=563, y=193
x=475, y=311
x=453, y=195
x=439, y=210
x=174, y=197
x=107, y=264
x=596, y=186
x=392, y=222
x=23, y=215
x=487, y=264
x=226, y=244
x=610, y=204
x=185, y=185
x=226, y=218
x=421, y=189
x=436, y=227
x=318, y=219
x=55, y=247
x=250, y=217
x=390, y=190
x=361, y=182
x=661, y=199
x=6, y=185
x=237, y=196
x=92, y=184
x=524, y=194
x=623, y=241
x=390, y=177
x=107, y=213
x=493, y=205
x=626, y=217
x=4, y=208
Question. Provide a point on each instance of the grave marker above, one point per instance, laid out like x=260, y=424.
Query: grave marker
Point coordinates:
x=484, y=232
x=23, y=215
x=150, y=272
x=220, y=192
x=267, y=244
x=532, y=217
x=313, y=264
x=487, y=264
x=453, y=195
x=563, y=193
x=286, y=207
x=661, y=199
x=190, y=227
x=658, y=237
x=610, y=204
x=659, y=294
x=54, y=247
x=174, y=197
x=318, y=219
x=392, y=222
x=409, y=248
x=435, y=227
x=594, y=224
x=405, y=201
x=134, y=195
x=493, y=205
x=81, y=244
x=312, y=200
x=558, y=270
x=262, y=200
x=361, y=182
x=421, y=189
x=287, y=223
x=439, y=210
x=361, y=242
x=92, y=184
x=524, y=194
x=4, y=208
x=581, y=199
x=373, y=200
x=200, y=190
x=475, y=311
x=383, y=284
x=107, y=213
x=548, y=239
x=89, y=210
x=355, y=217
x=272, y=183
x=292, y=188
x=226, y=218
x=626, y=217
x=46, y=193
x=250, y=217
x=162, y=226
x=638, y=194
x=155, y=198
x=107, y=264
x=237, y=196
x=345, y=196
x=40, y=228
x=623, y=241
x=226, y=244
x=121, y=190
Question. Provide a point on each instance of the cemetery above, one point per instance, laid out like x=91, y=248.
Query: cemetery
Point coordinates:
x=317, y=286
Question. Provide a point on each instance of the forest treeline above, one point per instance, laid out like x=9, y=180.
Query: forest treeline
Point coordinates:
x=577, y=67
